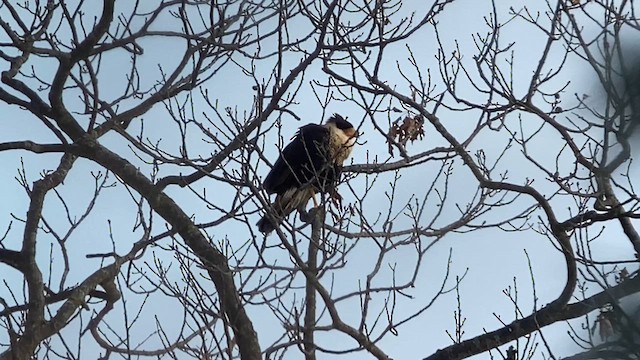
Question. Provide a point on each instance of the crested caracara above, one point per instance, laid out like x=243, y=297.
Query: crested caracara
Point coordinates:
x=311, y=163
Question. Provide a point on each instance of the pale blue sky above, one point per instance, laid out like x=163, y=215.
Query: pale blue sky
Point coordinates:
x=493, y=258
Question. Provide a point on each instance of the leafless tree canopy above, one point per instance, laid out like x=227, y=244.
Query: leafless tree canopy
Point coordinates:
x=135, y=135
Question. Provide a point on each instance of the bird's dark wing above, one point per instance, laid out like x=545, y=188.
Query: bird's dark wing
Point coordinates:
x=300, y=161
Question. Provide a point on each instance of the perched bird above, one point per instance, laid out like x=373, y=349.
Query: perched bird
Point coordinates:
x=311, y=163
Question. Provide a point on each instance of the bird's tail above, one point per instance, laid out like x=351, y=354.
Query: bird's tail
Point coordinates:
x=265, y=225
x=284, y=205
x=279, y=210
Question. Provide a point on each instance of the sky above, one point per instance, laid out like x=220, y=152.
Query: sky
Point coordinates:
x=487, y=261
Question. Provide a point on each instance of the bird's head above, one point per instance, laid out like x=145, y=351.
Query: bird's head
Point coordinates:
x=343, y=137
x=339, y=124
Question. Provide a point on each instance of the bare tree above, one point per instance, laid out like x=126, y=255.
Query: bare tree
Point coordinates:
x=141, y=132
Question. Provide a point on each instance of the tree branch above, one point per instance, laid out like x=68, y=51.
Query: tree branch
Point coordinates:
x=548, y=315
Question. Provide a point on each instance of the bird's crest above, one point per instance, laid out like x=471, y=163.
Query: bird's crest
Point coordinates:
x=340, y=122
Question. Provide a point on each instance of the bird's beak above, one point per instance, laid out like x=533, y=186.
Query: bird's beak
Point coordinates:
x=352, y=133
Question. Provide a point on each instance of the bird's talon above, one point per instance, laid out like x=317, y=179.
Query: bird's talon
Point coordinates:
x=336, y=198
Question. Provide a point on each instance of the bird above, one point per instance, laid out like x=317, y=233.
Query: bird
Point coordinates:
x=311, y=163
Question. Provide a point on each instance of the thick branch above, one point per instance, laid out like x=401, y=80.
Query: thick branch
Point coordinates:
x=400, y=164
x=66, y=122
x=34, y=147
x=33, y=333
x=75, y=298
x=215, y=262
x=546, y=316
x=310, y=296
x=13, y=259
